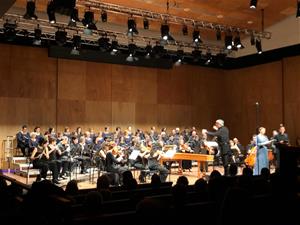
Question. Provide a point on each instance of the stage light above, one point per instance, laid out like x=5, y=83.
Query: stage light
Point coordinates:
x=179, y=56
x=164, y=29
x=104, y=43
x=131, y=50
x=218, y=34
x=10, y=30
x=196, y=36
x=196, y=55
x=74, y=17
x=252, y=39
x=30, y=10
x=158, y=50
x=148, y=50
x=253, y=4
x=61, y=37
x=185, y=30
x=298, y=9
x=237, y=41
x=76, y=45
x=146, y=23
x=208, y=58
x=88, y=21
x=131, y=26
x=37, y=36
x=228, y=41
x=104, y=16
x=51, y=11
x=221, y=58
x=258, y=46
x=114, y=47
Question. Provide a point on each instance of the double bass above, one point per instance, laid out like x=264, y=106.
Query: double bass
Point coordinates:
x=251, y=157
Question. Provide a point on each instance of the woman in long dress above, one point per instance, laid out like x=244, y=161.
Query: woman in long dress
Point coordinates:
x=262, y=160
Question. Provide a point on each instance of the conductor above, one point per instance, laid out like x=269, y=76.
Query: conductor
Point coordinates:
x=222, y=134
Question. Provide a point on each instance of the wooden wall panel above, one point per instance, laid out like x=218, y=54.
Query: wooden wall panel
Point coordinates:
x=175, y=86
x=172, y=116
x=98, y=81
x=133, y=84
x=245, y=87
x=145, y=85
x=123, y=114
x=123, y=87
x=98, y=114
x=292, y=97
x=71, y=113
x=71, y=79
x=145, y=115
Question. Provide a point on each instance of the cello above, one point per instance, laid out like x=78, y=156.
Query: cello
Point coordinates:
x=251, y=157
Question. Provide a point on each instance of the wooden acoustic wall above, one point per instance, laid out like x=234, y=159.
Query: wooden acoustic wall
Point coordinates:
x=243, y=88
x=291, y=93
x=94, y=95
x=37, y=90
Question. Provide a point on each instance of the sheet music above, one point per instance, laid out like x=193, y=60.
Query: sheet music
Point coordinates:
x=212, y=144
x=134, y=154
x=170, y=153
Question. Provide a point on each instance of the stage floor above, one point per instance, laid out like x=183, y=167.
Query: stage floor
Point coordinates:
x=89, y=180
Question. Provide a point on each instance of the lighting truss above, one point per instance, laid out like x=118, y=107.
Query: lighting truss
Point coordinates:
x=48, y=33
x=170, y=18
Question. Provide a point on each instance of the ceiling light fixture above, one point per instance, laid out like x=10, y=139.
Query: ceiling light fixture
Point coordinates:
x=131, y=27
x=146, y=23
x=103, y=16
x=298, y=9
x=37, y=36
x=258, y=46
x=185, y=30
x=51, y=11
x=30, y=10
x=196, y=36
x=253, y=4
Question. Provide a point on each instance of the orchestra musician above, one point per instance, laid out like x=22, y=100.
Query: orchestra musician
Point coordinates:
x=54, y=161
x=83, y=155
x=40, y=160
x=65, y=157
x=222, y=134
x=183, y=147
x=153, y=163
x=23, y=137
x=115, y=164
x=33, y=143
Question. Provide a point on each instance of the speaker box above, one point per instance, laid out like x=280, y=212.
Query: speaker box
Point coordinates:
x=5, y=6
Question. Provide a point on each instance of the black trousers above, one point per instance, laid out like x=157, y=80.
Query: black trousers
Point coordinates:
x=42, y=166
x=163, y=172
x=226, y=161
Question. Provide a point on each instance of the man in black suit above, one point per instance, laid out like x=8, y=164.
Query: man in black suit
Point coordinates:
x=23, y=138
x=222, y=134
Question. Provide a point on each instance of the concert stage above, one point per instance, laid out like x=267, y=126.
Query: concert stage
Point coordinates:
x=89, y=180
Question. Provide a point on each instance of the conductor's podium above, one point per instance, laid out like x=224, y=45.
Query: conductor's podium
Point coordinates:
x=200, y=158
